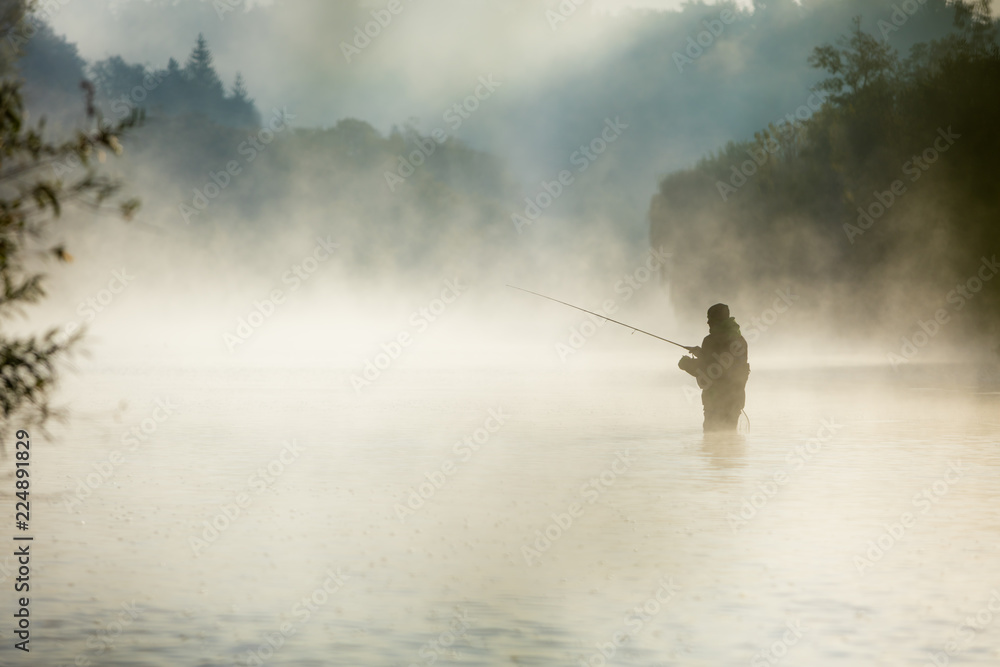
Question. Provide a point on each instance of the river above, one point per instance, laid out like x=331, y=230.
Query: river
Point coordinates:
x=199, y=516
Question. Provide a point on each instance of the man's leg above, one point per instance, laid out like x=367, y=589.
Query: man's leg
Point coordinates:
x=723, y=407
x=715, y=418
x=736, y=399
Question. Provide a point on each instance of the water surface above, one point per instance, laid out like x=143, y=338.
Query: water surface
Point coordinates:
x=563, y=514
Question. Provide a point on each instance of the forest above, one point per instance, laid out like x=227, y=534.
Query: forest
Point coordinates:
x=879, y=206
x=869, y=194
x=335, y=177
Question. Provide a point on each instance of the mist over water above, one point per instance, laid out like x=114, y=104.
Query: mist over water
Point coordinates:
x=694, y=531
x=311, y=423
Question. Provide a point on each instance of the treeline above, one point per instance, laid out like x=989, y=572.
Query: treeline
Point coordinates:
x=877, y=206
x=53, y=69
x=206, y=162
x=254, y=184
x=175, y=90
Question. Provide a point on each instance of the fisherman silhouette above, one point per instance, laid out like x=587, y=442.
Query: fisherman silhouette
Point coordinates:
x=721, y=368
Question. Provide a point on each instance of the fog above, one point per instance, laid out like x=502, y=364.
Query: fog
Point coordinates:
x=551, y=89
x=310, y=329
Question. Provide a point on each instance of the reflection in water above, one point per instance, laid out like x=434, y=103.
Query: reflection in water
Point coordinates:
x=446, y=582
x=724, y=450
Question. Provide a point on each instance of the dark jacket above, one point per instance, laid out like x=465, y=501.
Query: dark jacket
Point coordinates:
x=721, y=362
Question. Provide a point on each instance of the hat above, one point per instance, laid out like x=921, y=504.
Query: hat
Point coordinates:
x=718, y=312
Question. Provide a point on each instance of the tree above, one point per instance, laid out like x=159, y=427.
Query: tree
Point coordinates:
x=199, y=66
x=844, y=208
x=114, y=77
x=861, y=64
x=240, y=93
x=30, y=200
x=193, y=89
x=865, y=78
x=238, y=109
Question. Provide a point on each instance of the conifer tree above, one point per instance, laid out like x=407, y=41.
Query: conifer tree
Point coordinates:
x=199, y=67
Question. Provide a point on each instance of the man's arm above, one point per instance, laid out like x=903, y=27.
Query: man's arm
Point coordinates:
x=689, y=365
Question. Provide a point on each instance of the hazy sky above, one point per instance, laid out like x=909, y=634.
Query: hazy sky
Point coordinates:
x=558, y=85
x=552, y=85
x=431, y=53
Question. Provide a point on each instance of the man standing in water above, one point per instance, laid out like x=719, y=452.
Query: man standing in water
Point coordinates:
x=721, y=368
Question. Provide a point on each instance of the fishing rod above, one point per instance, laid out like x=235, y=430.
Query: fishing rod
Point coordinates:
x=604, y=317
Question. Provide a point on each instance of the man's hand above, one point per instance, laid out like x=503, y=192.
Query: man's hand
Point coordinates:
x=696, y=351
x=688, y=365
